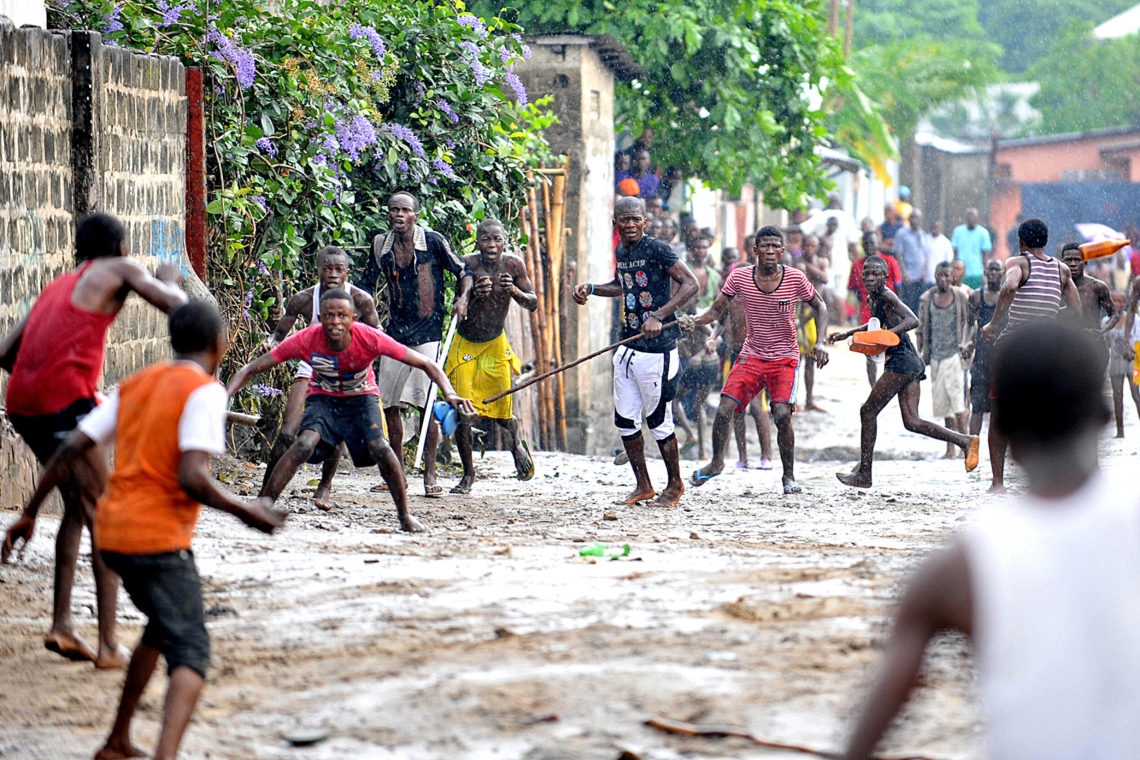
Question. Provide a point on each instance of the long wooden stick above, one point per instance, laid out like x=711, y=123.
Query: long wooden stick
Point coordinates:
x=671, y=726
x=574, y=363
x=441, y=359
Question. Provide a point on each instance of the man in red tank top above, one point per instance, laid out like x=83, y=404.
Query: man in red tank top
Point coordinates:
x=55, y=357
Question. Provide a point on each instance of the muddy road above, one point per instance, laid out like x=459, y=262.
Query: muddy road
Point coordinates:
x=490, y=637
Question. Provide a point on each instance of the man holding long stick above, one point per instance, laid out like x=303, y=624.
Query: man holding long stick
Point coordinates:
x=645, y=371
x=481, y=361
x=412, y=260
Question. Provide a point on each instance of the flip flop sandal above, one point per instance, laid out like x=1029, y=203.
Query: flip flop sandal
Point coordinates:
x=433, y=491
x=379, y=488
x=689, y=445
x=698, y=478
x=460, y=489
x=792, y=490
x=526, y=471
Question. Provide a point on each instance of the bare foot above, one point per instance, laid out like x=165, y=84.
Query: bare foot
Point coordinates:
x=854, y=479
x=113, y=750
x=638, y=495
x=997, y=488
x=811, y=406
x=670, y=496
x=1119, y=434
x=113, y=658
x=409, y=524
x=322, y=497
x=69, y=645
x=973, y=453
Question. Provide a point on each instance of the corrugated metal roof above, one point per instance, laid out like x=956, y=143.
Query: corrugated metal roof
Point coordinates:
x=613, y=54
x=1120, y=25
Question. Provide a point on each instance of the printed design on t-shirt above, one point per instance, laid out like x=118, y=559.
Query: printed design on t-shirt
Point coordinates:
x=627, y=280
x=645, y=317
x=642, y=279
x=645, y=298
x=784, y=305
x=328, y=377
x=427, y=290
x=631, y=320
x=630, y=301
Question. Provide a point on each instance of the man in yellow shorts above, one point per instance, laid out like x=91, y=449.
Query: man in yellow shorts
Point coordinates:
x=481, y=361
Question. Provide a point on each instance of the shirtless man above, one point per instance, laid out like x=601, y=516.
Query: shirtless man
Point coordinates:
x=332, y=272
x=1096, y=296
x=55, y=355
x=481, y=362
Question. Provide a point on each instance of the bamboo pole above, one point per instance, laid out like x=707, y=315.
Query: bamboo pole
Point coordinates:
x=545, y=399
x=849, y=29
x=535, y=327
x=552, y=310
x=557, y=235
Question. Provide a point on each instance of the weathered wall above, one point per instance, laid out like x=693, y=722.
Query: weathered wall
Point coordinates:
x=84, y=128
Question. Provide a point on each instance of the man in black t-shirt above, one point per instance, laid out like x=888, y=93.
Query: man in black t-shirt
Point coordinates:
x=645, y=371
x=412, y=260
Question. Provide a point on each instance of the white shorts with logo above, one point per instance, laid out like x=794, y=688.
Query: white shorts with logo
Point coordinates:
x=401, y=385
x=947, y=386
x=644, y=386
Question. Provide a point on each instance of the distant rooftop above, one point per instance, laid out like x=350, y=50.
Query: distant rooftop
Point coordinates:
x=1092, y=134
x=613, y=54
x=1121, y=25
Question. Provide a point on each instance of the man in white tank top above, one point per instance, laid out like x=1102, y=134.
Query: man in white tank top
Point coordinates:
x=332, y=272
x=1047, y=587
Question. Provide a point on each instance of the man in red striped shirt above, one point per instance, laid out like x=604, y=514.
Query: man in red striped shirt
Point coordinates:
x=769, y=293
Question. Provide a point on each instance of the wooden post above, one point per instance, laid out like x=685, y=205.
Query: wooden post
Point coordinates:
x=542, y=342
x=850, y=29
x=536, y=317
x=195, y=172
x=833, y=18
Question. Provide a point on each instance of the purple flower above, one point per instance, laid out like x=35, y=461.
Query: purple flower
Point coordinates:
x=113, y=22
x=354, y=135
x=261, y=268
x=357, y=31
x=266, y=146
x=265, y=391
x=402, y=165
x=525, y=47
x=238, y=57
x=446, y=108
x=444, y=168
x=421, y=91
x=260, y=201
x=474, y=23
x=170, y=14
x=504, y=54
x=248, y=297
x=516, y=85
x=408, y=136
x=450, y=144
x=471, y=54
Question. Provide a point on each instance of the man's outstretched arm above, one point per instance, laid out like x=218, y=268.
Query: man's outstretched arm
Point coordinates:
x=937, y=598
x=160, y=291
x=196, y=480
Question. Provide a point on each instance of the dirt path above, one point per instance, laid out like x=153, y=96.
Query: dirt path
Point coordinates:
x=490, y=637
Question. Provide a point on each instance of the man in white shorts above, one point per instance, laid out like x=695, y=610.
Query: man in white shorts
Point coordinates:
x=332, y=273
x=943, y=320
x=645, y=371
x=412, y=260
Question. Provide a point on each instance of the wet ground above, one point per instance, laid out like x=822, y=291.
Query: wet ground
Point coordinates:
x=490, y=637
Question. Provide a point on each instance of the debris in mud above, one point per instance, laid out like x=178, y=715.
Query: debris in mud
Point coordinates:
x=535, y=719
x=695, y=536
x=610, y=516
x=220, y=610
x=305, y=737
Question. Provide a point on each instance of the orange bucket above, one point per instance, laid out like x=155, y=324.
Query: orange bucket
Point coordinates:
x=873, y=342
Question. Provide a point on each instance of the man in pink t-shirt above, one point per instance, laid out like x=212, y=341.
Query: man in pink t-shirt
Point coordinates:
x=343, y=403
x=769, y=293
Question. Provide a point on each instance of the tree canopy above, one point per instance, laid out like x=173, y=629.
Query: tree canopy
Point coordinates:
x=732, y=85
x=1029, y=30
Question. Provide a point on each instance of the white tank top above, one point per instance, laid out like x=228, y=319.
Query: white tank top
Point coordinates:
x=1056, y=608
x=316, y=318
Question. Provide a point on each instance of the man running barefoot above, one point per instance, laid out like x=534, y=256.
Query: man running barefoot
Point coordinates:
x=1036, y=287
x=902, y=372
x=769, y=293
x=481, y=363
x=332, y=273
x=1046, y=588
x=943, y=319
x=167, y=421
x=342, y=405
x=645, y=372
x=55, y=355
x=411, y=260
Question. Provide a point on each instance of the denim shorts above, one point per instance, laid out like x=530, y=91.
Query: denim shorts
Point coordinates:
x=166, y=588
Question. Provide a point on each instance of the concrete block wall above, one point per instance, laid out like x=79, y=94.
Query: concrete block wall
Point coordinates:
x=84, y=128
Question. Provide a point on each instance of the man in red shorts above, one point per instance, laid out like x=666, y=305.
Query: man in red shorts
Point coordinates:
x=55, y=355
x=769, y=293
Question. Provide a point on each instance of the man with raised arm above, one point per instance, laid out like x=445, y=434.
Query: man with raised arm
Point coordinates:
x=332, y=273
x=412, y=260
x=481, y=362
x=55, y=355
x=341, y=406
x=645, y=371
x=769, y=293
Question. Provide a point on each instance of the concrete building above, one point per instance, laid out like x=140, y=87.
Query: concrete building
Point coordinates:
x=946, y=177
x=579, y=71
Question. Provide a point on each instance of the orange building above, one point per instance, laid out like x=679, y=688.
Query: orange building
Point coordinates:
x=1086, y=177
